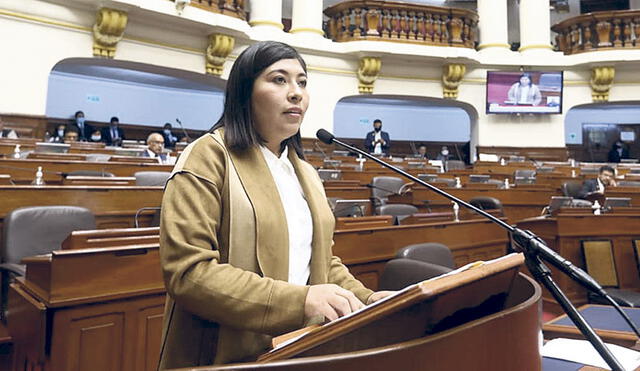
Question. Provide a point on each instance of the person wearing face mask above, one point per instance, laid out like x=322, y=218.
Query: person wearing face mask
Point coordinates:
x=377, y=141
x=113, y=135
x=170, y=140
x=618, y=151
x=246, y=229
x=96, y=136
x=444, y=154
x=84, y=130
x=58, y=134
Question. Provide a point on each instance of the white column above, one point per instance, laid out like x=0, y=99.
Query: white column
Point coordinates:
x=535, y=26
x=306, y=17
x=266, y=13
x=492, y=24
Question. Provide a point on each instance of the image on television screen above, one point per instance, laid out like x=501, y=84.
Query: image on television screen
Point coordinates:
x=524, y=92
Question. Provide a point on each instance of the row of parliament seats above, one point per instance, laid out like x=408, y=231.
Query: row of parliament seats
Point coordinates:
x=365, y=246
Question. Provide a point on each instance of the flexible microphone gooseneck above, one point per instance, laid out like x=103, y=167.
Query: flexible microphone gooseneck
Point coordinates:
x=533, y=248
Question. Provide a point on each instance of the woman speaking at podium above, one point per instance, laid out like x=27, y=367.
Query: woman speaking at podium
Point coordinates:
x=246, y=230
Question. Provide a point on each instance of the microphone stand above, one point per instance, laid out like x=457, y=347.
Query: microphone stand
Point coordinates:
x=534, y=249
x=184, y=130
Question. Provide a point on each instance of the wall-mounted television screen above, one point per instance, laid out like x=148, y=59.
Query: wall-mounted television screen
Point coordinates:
x=524, y=92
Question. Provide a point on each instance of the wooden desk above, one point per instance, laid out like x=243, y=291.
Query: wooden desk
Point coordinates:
x=89, y=309
x=615, y=330
x=564, y=234
x=113, y=207
x=366, y=250
x=23, y=171
x=519, y=202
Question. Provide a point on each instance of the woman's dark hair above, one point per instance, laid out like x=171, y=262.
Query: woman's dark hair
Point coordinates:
x=239, y=132
x=527, y=75
x=77, y=113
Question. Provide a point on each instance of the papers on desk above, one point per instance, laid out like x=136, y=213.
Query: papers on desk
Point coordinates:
x=581, y=351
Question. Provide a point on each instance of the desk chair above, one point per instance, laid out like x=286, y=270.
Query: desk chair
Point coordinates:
x=383, y=187
x=571, y=189
x=37, y=230
x=400, y=273
x=399, y=211
x=152, y=178
x=428, y=252
x=487, y=203
x=598, y=258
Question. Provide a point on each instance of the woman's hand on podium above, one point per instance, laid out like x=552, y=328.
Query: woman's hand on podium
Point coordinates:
x=379, y=295
x=330, y=301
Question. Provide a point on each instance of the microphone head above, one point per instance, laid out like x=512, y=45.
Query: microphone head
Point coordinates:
x=325, y=136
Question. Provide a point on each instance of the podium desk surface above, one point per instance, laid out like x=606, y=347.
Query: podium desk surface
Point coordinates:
x=604, y=319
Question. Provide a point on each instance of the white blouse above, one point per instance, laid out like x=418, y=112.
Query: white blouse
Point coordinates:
x=296, y=209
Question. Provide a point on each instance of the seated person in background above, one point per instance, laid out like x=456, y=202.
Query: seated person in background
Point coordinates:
x=96, y=136
x=70, y=134
x=155, y=147
x=58, y=135
x=524, y=92
x=618, y=151
x=422, y=151
x=604, y=180
x=7, y=133
x=170, y=140
x=377, y=141
x=444, y=154
x=84, y=130
x=113, y=135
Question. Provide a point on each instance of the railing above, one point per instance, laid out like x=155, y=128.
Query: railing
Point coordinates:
x=599, y=31
x=401, y=22
x=233, y=8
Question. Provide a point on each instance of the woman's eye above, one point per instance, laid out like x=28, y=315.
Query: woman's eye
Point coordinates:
x=279, y=80
x=302, y=83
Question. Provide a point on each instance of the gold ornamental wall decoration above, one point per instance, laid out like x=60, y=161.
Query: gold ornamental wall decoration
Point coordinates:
x=217, y=51
x=452, y=75
x=368, y=71
x=108, y=31
x=601, y=81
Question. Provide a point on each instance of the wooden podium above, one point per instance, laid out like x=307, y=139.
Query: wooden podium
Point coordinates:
x=483, y=318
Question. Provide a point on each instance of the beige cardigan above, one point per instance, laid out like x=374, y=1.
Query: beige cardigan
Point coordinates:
x=224, y=255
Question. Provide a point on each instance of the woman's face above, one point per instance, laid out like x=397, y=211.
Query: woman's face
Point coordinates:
x=279, y=100
x=524, y=80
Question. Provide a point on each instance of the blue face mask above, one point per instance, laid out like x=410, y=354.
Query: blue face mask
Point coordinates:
x=167, y=131
x=80, y=120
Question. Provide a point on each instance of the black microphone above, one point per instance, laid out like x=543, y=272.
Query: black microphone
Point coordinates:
x=183, y=130
x=532, y=246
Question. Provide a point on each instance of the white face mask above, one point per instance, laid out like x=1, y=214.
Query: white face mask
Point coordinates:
x=96, y=138
x=61, y=132
x=445, y=152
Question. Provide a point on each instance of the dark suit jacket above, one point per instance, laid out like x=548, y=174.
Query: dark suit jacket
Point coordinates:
x=106, y=135
x=84, y=135
x=371, y=137
x=614, y=156
x=589, y=186
x=170, y=140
